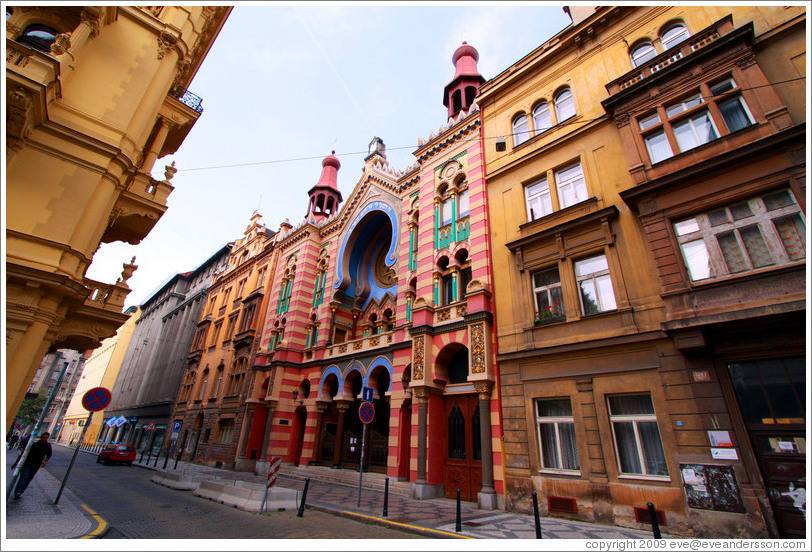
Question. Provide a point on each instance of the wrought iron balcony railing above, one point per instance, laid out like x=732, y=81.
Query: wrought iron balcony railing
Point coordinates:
x=187, y=98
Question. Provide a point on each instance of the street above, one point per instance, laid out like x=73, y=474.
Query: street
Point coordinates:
x=136, y=508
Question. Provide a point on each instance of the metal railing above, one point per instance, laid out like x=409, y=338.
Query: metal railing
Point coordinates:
x=187, y=98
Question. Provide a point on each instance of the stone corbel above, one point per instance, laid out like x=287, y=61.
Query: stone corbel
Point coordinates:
x=607, y=232
x=518, y=258
x=483, y=389
x=18, y=122
x=61, y=44
x=166, y=41
x=420, y=394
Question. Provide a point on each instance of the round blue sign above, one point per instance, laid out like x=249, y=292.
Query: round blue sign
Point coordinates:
x=366, y=412
x=96, y=399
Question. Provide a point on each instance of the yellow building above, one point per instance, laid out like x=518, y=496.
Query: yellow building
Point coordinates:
x=94, y=96
x=101, y=370
x=628, y=347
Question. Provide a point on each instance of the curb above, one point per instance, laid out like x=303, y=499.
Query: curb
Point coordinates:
x=363, y=518
x=102, y=527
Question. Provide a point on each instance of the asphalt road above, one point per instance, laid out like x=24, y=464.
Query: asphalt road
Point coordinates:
x=136, y=508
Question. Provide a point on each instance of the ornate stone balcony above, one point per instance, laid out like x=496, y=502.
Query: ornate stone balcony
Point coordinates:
x=360, y=346
x=672, y=55
x=138, y=209
x=96, y=319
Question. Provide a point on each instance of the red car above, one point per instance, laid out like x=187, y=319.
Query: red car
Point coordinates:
x=117, y=453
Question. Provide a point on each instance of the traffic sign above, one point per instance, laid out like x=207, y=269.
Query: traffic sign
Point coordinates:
x=96, y=399
x=150, y=427
x=276, y=462
x=366, y=412
x=366, y=394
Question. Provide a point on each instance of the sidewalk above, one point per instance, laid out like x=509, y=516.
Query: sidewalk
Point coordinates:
x=35, y=516
x=433, y=518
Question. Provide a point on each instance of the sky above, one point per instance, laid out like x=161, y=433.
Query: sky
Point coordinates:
x=284, y=85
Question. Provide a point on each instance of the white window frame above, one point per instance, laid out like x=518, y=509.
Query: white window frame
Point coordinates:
x=521, y=129
x=540, y=197
x=542, y=118
x=556, y=422
x=670, y=39
x=446, y=212
x=642, y=53
x=635, y=419
x=575, y=180
x=564, y=105
x=699, y=232
x=463, y=204
x=691, y=123
x=595, y=277
x=547, y=289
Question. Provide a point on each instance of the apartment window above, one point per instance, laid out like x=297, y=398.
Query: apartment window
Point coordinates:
x=203, y=383
x=548, y=297
x=226, y=293
x=556, y=434
x=564, y=105
x=261, y=277
x=232, y=320
x=39, y=37
x=595, y=285
x=225, y=431
x=762, y=231
x=541, y=118
x=217, y=327
x=673, y=35
x=637, y=437
x=241, y=288
x=571, y=185
x=521, y=133
x=218, y=382
x=690, y=122
x=538, y=199
x=465, y=279
x=642, y=53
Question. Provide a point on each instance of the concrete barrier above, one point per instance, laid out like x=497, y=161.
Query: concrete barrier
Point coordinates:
x=248, y=496
x=180, y=481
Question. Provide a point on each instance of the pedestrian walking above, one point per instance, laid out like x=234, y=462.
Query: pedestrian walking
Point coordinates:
x=23, y=442
x=37, y=457
x=13, y=440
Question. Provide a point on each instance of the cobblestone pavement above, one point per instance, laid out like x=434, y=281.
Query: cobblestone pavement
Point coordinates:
x=435, y=516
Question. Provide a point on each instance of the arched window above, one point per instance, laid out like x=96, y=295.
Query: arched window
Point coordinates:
x=642, y=53
x=203, y=384
x=520, y=131
x=39, y=37
x=541, y=117
x=564, y=105
x=673, y=35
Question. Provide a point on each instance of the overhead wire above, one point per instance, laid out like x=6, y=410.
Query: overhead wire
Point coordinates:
x=361, y=152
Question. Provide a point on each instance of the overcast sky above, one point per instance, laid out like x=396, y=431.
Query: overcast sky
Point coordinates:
x=284, y=85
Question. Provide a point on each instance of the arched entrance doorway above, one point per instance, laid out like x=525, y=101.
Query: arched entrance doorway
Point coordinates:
x=462, y=464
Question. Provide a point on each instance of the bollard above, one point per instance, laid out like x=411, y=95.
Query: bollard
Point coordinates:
x=459, y=513
x=149, y=456
x=655, y=525
x=166, y=460
x=143, y=450
x=536, y=514
x=157, y=454
x=304, y=497
x=386, y=497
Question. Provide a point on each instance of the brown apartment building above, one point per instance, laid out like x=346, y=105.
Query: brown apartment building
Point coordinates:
x=646, y=176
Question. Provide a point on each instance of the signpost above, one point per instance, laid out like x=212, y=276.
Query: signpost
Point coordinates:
x=367, y=413
x=93, y=400
x=276, y=462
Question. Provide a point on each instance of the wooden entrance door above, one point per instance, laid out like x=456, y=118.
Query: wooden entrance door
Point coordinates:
x=463, y=461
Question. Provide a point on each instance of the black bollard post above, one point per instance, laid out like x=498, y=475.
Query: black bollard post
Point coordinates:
x=459, y=513
x=304, y=498
x=157, y=454
x=166, y=460
x=386, y=498
x=536, y=514
x=655, y=525
x=149, y=456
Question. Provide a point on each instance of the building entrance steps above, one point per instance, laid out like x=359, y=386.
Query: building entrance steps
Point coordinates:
x=371, y=481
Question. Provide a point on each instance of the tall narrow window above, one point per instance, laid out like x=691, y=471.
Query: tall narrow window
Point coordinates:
x=447, y=212
x=556, y=434
x=571, y=185
x=549, y=300
x=520, y=130
x=463, y=208
x=637, y=437
x=538, y=199
x=541, y=117
x=595, y=285
x=564, y=105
